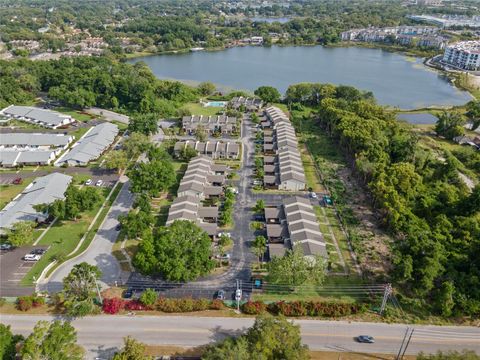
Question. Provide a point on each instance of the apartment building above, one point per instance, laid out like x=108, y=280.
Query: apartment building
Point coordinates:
x=214, y=149
x=463, y=55
x=216, y=124
x=46, y=118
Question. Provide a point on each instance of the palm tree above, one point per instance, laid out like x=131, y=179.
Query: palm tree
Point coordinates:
x=260, y=246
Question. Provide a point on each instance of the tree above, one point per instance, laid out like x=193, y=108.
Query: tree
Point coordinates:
x=80, y=289
x=200, y=133
x=135, y=223
x=295, y=269
x=259, y=206
x=206, y=88
x=450, y=124
x=135, y=144
x=268, y=94
x=270, y=338
x=54, y=341
x=444, y=301
x=146, y=124
x=473, y=114
x=152, y=177
x=132, y=350
x=21, y=233
x=188, y=153
x=7, y=343
x=149, y=297
x=260, y=246
x=179, y=252
x=116, y=160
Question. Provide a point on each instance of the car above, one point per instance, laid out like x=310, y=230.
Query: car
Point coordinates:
x=257, y=182
x=365, y=339
x=32, y=257
x=238, y=294
x=227, y=234
x=233, y=190
x=118, y=227
x=17, y=181
x=38, y=251
x=127, y=294
x=88, y=182
x=220, y=295
x=313, y=195
x=258, y=217
x=99, y=183
x=5, y=247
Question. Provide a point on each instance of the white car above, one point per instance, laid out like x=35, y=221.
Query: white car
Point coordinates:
x=32, y=257
x=313, y=195
x=88, y=182
x=99, y=183
x=227, y=234
x=233, y=190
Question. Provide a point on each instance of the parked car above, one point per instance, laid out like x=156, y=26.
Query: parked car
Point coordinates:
x=32, y=257
x=365, y=339
x=257, y=182
x=88, y=182
x=38, y=251
x=17, y=181
x=258, y=217
x=313, y=195
x=238, y=294
x=99, y=183
x=220, y=295
x=227, y=234
x=118, y=227
x=5, y=247
x=127, y=294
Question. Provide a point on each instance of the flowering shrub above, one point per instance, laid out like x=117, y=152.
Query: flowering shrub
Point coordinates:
x=182, y=305
x=24, y=303
x=254, y=307
x=37, y=300
x=134, y=305
x=314, y=308
x=113, y=305
x=217, y=305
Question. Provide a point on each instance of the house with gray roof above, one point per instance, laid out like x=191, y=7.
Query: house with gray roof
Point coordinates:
x=30, y=141
x=90, y=146
x=13, y=158
x=294, y=224
x=42, y=117
x=215, y=149
x=43, y=190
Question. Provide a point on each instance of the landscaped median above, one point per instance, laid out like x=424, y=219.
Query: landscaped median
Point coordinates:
x=64, y=236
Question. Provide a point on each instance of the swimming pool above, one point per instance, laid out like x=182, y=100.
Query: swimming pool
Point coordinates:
x=215, y=104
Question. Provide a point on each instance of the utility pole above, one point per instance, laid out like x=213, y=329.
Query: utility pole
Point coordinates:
x=386, y=294
x=406, y=341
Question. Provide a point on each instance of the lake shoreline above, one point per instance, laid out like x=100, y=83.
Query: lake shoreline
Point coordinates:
x=195, y=69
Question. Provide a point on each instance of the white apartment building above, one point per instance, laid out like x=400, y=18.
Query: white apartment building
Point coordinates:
x=463, y=55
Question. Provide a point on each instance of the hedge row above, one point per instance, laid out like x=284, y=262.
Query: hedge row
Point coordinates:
x=303, y=308
x=115, y=305
x=25, y=303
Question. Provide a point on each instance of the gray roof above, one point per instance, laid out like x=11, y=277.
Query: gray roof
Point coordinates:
x=43, y=190
x=91, y=145
x=35, y=139
x=17, y=157
x=37, y=115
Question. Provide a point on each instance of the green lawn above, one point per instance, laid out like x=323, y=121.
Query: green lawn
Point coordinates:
x=8, y=192
x=199, y=109
x=310, y=173
x=77, y=115
x=24, y=125
x=79, y=132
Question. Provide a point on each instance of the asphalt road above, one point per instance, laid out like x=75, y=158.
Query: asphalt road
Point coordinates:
x=101, y=335
x=99, y=252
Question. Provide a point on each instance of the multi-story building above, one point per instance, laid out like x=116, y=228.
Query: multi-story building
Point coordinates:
x=463, y=55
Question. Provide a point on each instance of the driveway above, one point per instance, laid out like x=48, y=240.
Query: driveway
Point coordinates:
x=99, y=252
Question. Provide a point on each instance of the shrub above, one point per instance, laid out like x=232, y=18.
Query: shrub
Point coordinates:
x=149, y=297
x=182, y=305
x=24, y=303
x=113, y=305
x=314, y=308
x=134, y=305
x=254, y=307
x=217, y=305
x=2, y=301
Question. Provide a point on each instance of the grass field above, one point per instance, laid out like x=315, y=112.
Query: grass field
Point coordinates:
x=8, y=192
x=77, y=115
x=199, y=109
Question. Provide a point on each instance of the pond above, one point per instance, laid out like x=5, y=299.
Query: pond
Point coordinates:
x=396, y=80
x=418, y=118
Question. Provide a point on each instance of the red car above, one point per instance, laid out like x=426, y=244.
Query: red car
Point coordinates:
x=17, y=181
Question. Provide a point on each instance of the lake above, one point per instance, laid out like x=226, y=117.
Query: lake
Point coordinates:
x=395, y=79
x=418, y=118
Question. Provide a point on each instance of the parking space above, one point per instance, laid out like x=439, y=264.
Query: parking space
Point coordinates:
x=12, y=270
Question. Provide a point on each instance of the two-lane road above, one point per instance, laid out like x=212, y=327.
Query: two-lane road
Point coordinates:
x=101, y=335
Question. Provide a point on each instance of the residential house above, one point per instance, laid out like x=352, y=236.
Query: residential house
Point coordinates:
x=216, y=124
x=46, y=118
x=215, y=149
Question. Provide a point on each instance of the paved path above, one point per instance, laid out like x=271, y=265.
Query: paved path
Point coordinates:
x=99, y=252
x=101, y=335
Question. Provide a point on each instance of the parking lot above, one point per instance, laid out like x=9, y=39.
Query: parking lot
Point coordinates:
x=12, y=270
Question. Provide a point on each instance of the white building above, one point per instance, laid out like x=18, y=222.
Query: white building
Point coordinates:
x=463, y=55
x=46, y=118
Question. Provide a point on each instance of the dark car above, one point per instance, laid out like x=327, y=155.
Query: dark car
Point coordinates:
x=38, y=251
x=5, y=247
x=127, y=294
x=258, y=217
x=17, y=181
x=220, y=295
x=118, y=227
x=365, y=339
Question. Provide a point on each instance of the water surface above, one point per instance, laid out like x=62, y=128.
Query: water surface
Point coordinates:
x=395, y=80
x=418, y=118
